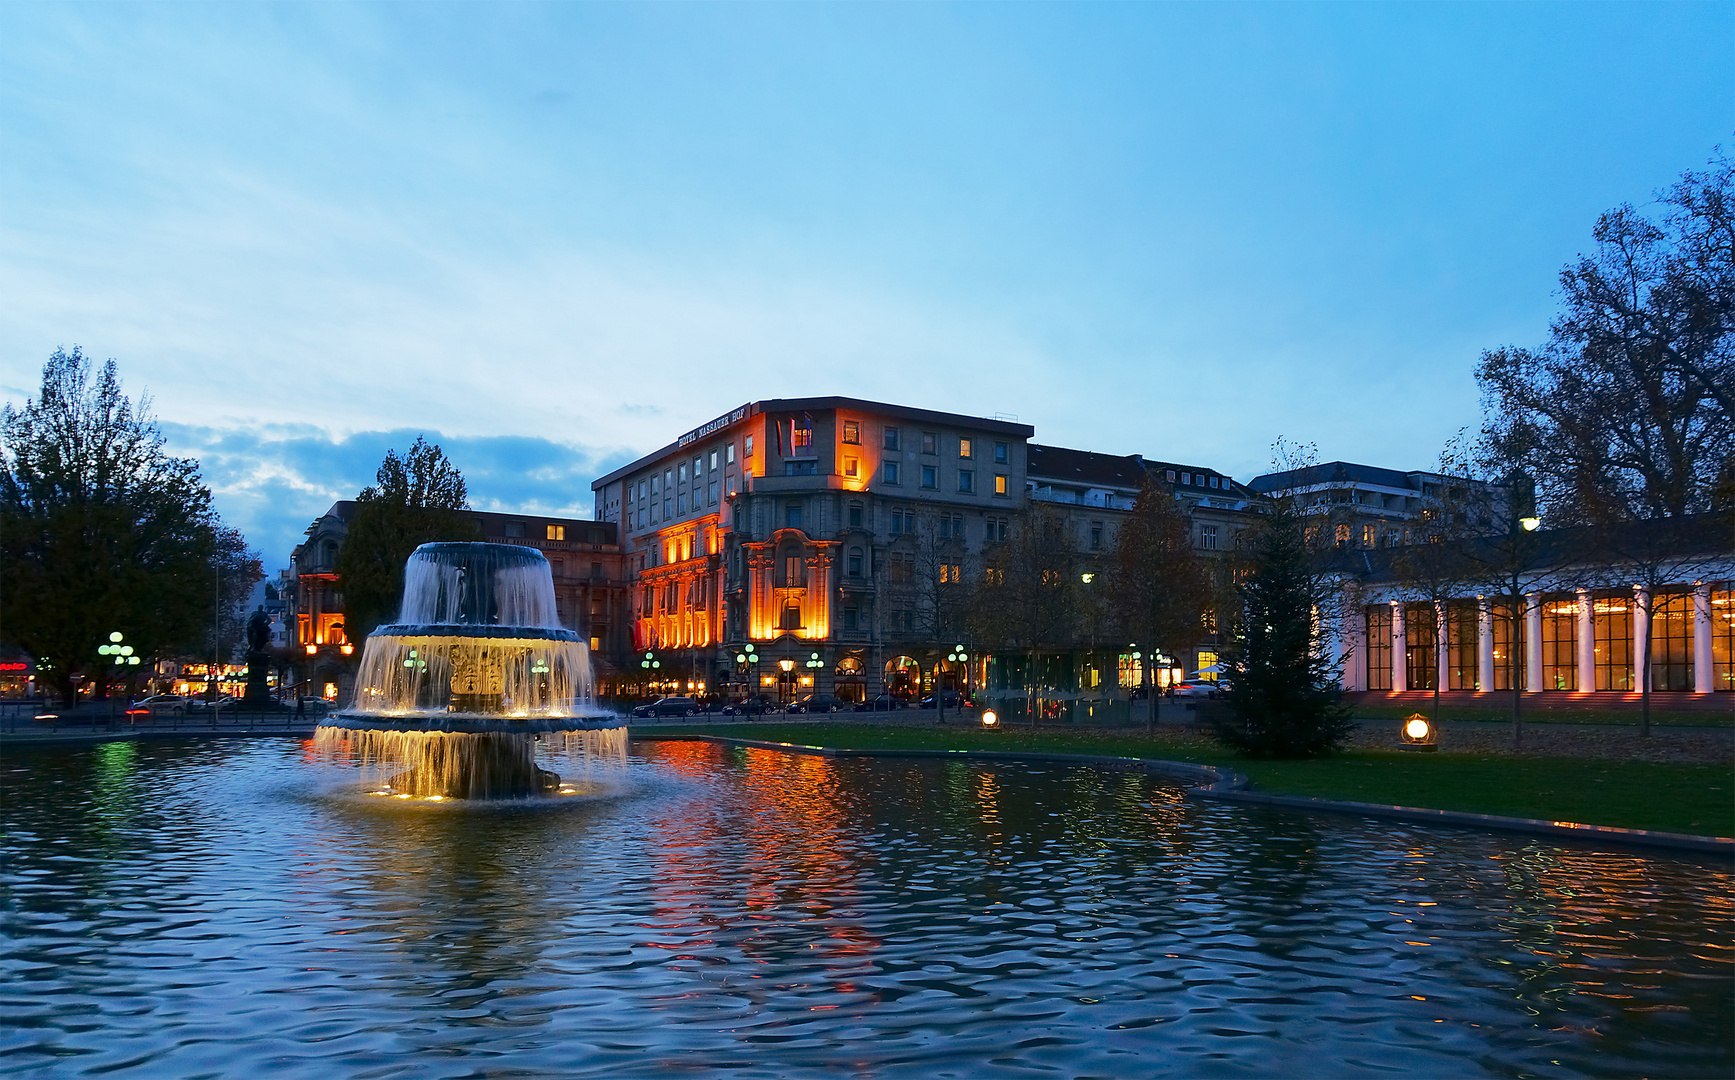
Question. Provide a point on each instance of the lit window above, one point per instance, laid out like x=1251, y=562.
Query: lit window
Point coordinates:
x=851, y=467
x=999, y=483
x=747, y=448
x=1000, y=453
x=852, y=432
x=557, y=532
x=930, y=442
x=801, y=434
x=964, y=448
x=967, y=481
x=1368, y=532
x=930, y=476
x=889, y=472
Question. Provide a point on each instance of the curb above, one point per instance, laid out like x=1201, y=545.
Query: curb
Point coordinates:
x=1224, y=785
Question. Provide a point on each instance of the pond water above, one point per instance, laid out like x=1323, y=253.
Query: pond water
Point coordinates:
x=230, y=908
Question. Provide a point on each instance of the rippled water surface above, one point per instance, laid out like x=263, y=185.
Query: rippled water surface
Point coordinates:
x=225, y=908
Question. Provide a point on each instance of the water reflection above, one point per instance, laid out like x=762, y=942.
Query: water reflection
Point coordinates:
x=213, y=907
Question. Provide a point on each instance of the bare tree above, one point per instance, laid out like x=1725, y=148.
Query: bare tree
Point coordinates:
x=939, y=587
x=1626, y=411
x=1029, y=597
x=1158, y=585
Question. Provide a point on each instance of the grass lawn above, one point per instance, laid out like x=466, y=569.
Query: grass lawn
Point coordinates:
x=1665, y=796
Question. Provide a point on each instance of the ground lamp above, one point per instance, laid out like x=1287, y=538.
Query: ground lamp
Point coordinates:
x=1418, y=734
x=990, y=719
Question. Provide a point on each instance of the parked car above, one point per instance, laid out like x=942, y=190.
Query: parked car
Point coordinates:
x=223, y=701
x=883, y=703
x=757, y=705
x=819, y=703
x=158, y=704
x=668, y=706
x=1198, y=688
x=954, y=700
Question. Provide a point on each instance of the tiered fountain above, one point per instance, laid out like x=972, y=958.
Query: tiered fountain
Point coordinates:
x=452, y=700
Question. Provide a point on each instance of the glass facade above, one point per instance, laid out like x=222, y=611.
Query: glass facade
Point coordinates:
x=1379, y=647
x=1560, y=644
x=1672, y=641
x=1612, y=626
x=1723, y=639
x=1421, y=637
x=1508, y=623
x=1461, y=642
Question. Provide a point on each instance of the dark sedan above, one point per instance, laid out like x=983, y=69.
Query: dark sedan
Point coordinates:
x=820, y=703
x=668, y=706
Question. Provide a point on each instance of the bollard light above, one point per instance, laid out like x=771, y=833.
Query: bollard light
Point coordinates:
x=1418, y=733
x=990, y=718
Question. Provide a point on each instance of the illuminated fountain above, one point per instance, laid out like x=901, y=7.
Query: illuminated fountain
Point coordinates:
x=453, y=699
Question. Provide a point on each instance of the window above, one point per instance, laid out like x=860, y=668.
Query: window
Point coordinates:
x=747, y=448
x=1000, y=453
x=681, y=503
x=1611, y=624
x=903, y=568
x=698, y=467
x=1379, y=647
x=804, y=467
x=729, y=452
x=1421, y=660
x=1393, y=539
x=1208, y=537
x=1096, y=536
x=854, y=562
x=930, y=442
x=1461, y=644
x=999, y=529
x=791, y=616
x=1672, y=641
x=1723, y=639
x=792, y=516
x=557, y=532
x=1208, y=621
x=898, y=522
x=801, y=435
x=1369, y=534
x=851, y=466
x=666, y=514
x=596, y=571
x=713, y=461
x=967, y=481
x=792, y=571
x=852, y=432
x=668, y=479
x=1504, y=622
x=891, y=438
x=855, y=515
x=515, y=528
x=712, y=493
x=1559, y=645
x=965, y=449
x=950, y=573
x=683, y=472
x=1341, y=534
x=1000, y=484
x=849, y=618
x=930, y=476
x=1187, y=479
x=994, y=575
x=889, y=472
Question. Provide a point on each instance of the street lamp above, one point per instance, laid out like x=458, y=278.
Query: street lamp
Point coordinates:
x=747, y=660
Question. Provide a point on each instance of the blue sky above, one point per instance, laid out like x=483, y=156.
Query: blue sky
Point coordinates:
x=552, y=237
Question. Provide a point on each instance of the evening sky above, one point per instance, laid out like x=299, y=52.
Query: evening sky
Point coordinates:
x=552, y=237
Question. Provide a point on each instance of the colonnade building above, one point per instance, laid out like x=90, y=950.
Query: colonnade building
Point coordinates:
x=1595, y=609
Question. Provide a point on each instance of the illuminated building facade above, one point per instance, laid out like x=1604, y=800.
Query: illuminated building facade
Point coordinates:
x=790, y=524
x=1366, y=506
x=1581, y=629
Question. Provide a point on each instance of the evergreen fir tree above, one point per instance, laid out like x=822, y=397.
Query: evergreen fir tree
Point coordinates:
x=1283, y=693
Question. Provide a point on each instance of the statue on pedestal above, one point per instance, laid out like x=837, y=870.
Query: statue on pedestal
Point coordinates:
x=258, y=660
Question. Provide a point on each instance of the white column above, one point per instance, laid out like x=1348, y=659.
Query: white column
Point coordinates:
x=1442, y=665
x=1533, y=641
x=1586, y=645
x=1353, y=624
x=1641, y=636
x=1484, y=645
x=1702, y=678
x=1400, y=668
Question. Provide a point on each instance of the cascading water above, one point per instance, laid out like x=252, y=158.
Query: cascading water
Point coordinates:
x=452, y=699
